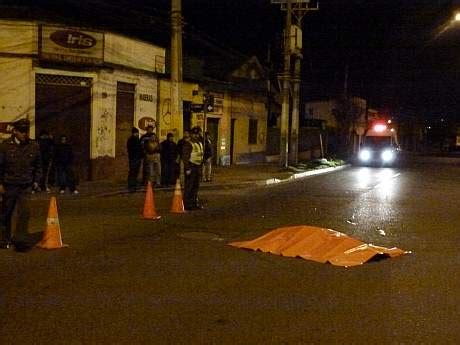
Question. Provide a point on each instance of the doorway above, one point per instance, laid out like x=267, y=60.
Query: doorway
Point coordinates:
x=63, y=107
x=124, y=119
x=212, y=126
x=187, y=115
x=232, y=139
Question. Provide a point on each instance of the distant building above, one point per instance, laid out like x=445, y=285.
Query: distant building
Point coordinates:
x=237, y=119
x=327, y=112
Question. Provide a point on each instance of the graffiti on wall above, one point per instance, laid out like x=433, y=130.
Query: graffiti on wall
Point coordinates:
x=166, y=112
x=104, y=134
x=261, y=137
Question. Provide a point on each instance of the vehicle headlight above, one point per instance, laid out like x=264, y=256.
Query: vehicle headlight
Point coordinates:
x=364, y=155
x=387, y=155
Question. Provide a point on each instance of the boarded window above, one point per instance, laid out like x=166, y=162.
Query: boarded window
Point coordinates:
x=252, y=137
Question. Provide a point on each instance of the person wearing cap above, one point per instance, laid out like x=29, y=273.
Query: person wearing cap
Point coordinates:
x=135, y=154
x=20, y=171
x=192, y=155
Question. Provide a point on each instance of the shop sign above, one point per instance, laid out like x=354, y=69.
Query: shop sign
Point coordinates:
x=146, y=121
x=197, y=108
x=71, y=45
x=146, y=97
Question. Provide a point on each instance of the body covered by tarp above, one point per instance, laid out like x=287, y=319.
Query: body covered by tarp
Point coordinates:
x=318, y=244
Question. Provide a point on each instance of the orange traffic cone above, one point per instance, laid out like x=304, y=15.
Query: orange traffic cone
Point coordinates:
x=52, y=236
x=178, y=202
x=149, y=205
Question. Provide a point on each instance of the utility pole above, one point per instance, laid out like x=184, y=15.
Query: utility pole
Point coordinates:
x=285, y=77
x=176, y=66
x=298, y=8
x=294, y=140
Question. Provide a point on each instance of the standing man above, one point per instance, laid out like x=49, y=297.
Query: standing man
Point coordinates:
x=192, y=155
x=152, y=163
x=20, y=171
x=64, y=157
x=168, y=161
x=135, y=158
x=180, y=159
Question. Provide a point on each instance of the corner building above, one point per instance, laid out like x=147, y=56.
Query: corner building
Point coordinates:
x=92, y=86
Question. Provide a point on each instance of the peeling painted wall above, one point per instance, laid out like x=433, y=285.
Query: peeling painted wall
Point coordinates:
x=17, y=92
x=167, y=122
x=104, y=107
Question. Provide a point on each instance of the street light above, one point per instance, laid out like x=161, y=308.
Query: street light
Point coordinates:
x=457, y=17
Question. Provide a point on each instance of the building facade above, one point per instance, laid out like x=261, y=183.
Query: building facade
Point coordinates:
x=94, y=86
x=89, y=85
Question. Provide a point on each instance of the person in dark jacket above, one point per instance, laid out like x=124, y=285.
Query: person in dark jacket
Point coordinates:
x=181, y=142
x=20, y=171
x=168, y=161
x=46, y=144
x=63, y=160
x=135, y=154
x=180, y=161
x=152, y=161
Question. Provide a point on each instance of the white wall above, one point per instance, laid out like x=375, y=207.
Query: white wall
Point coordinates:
x=133, y=53
x=17, y=37
x=17, y=98
x=104, y=107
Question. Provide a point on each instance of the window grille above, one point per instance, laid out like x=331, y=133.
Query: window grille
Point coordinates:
x=52, y=79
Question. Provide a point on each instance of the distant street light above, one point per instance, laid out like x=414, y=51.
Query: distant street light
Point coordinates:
x=457, y=17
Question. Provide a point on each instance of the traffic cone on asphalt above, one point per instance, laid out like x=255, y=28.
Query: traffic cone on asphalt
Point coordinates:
x=149, y=204
x=178, y=202
x=52, y=236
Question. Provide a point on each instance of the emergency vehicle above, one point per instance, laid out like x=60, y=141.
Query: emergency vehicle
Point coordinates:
x=379, y=145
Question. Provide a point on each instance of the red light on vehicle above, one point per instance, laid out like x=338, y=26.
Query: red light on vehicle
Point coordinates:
x=380, y=127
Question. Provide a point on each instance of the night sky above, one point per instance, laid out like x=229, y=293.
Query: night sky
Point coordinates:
x=400, y=55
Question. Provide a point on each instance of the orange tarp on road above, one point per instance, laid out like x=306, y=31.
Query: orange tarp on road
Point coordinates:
x=318, y=244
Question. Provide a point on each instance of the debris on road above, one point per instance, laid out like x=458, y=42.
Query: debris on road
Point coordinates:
x=318, y=244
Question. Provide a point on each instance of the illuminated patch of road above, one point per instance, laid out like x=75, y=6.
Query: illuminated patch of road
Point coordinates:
x=385, y=181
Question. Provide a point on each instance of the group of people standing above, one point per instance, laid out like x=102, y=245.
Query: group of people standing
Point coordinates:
x=162, y=163
x=57, y=163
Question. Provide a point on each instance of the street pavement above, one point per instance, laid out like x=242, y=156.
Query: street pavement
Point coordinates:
x=125, y=280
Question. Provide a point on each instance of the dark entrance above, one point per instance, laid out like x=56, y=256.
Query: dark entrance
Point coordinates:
x=212, y=126
x=232, y=139
x=187, y=115
x=63, y=106
x=124, y=123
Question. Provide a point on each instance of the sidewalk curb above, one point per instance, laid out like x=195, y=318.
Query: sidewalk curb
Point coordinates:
x=267, y=182
x=302, y=175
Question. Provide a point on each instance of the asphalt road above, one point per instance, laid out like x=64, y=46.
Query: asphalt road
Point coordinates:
x=175, y=281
